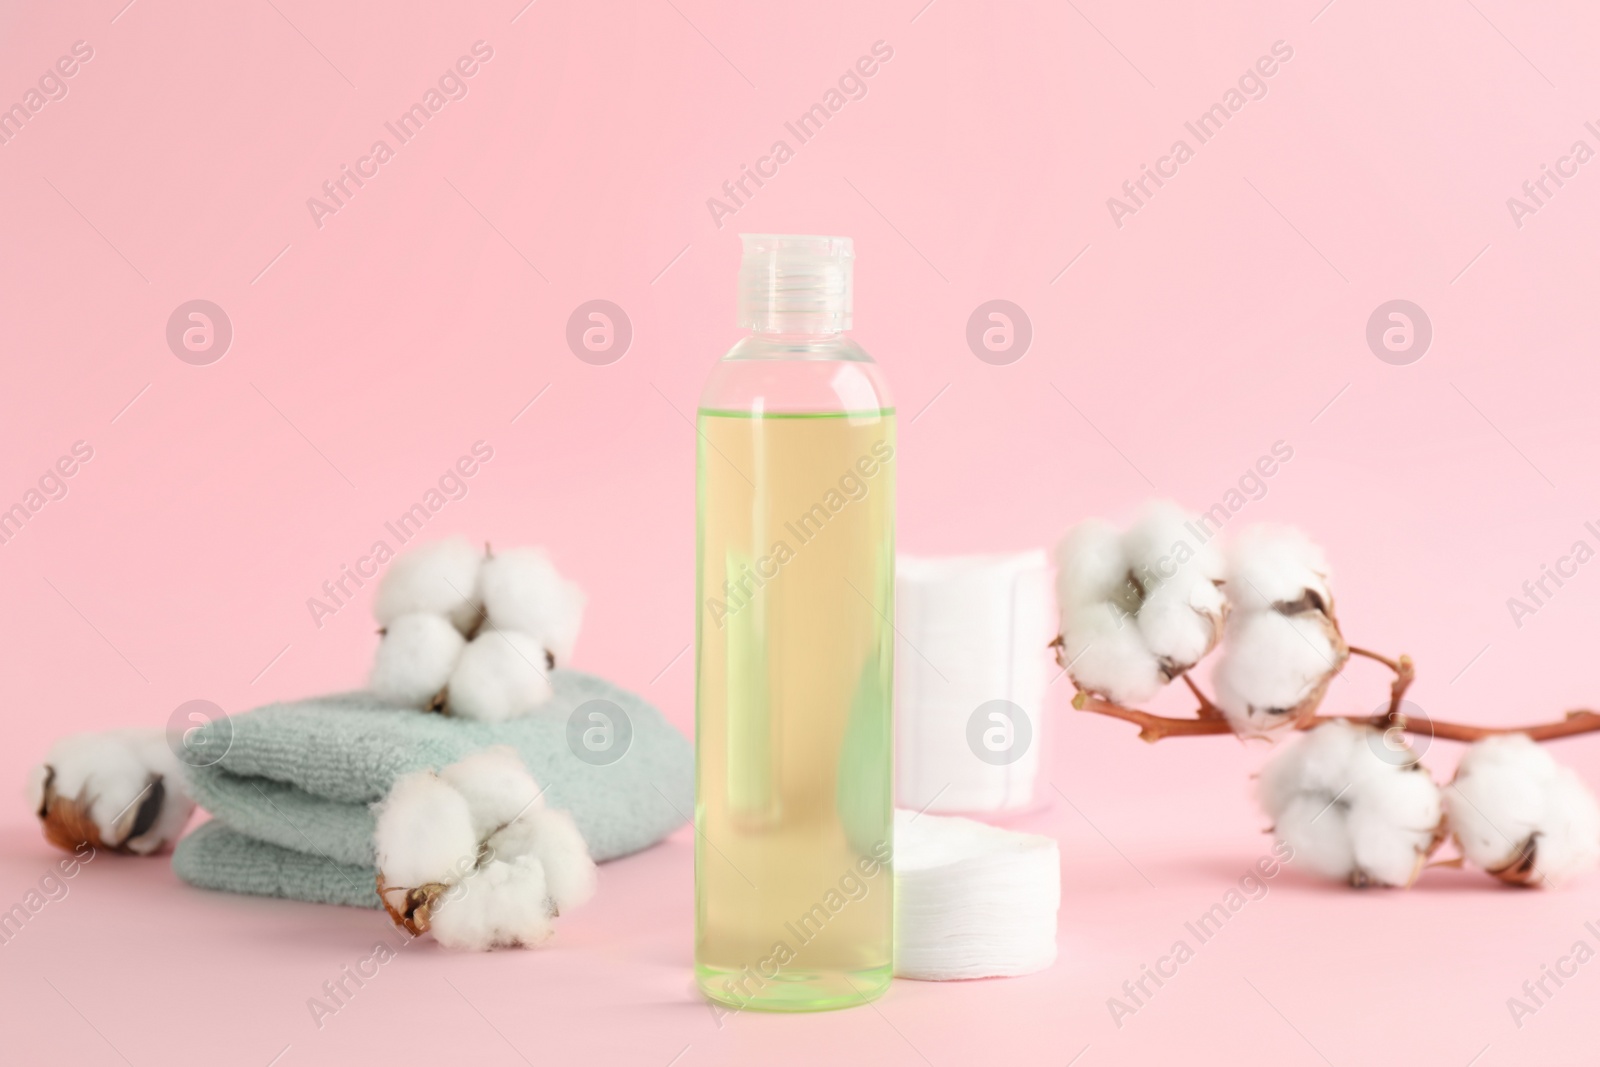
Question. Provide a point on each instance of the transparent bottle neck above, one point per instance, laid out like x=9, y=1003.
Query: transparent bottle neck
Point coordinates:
x=781, y=327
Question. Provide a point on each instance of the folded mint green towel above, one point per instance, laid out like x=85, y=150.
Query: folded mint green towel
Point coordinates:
x=291, y=798
x=215, y=857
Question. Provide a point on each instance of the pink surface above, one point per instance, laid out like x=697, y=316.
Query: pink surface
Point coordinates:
x=373, y=346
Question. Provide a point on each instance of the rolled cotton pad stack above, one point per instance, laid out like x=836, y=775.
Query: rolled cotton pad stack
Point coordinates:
x=972, y=900
x=971, y=670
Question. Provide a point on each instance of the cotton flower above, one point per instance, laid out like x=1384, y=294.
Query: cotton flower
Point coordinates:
x=499, y=905
x=473, y=855
x=1271, y=565
x=1348, y=809
x=553, y=839
x=439, y=578
x=495, y=786
x=1521, y=816
x=1282, y=646
x=416, y=656
x=425, y=834
x=471, y=633
x=122, y=790
x=1138, y=608
x=501, y=675
x=523, y=591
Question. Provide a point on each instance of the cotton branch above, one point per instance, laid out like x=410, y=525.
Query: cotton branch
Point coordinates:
x=1208, y=720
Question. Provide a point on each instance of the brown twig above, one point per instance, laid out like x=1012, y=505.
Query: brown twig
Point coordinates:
x=1581, y=721
x=1151, y=727
x=1405, y=672
x=1155, y=727
x=1207, y=709
x=1208, y=719
x=1393, y=665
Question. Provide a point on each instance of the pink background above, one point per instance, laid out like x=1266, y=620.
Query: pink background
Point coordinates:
x=369, y=353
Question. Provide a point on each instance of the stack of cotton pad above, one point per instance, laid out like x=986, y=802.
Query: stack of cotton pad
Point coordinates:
x=971, y=900
x=971, y=669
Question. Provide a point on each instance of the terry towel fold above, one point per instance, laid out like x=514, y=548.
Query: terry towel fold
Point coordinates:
x=291, y=798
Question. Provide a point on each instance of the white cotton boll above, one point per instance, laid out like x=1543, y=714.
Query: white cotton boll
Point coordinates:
x=1569, y=842
x=121, y=789
x=523, y=591
x=1270, y=564
x=1180, y=574
x=100, y=768
x=1520, y=815
x=424, y=833
x=568, y=870
x=1320, y=842
x=501, y=675
x=473, y=856
x=1348, y=812
x=504, y=904
x=1105, y=653
x=150, y=745
x=1137, y=608
x=1317, y=760
x=551, y=837
x=1393, y=821
x=1179, y=621
x=1270, y=665
x=1091, y=567
x=106, y=771
x=1499, y=797
x=439, y=578
x=155, y=752
x=415, y=658
x=1155, y=533
x=496, y=786
x=1282, y=644
x=1163, y=541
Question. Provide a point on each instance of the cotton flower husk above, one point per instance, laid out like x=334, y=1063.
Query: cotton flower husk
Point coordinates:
x=121, y=790
x=1520, y=815
x=1138, y=608
x=501, y=674
x=440, y=578
x=1283, y=645
x=416, y=656
x=1350, y=809
x=472, y=855
x=473, y=633
x=523, y=591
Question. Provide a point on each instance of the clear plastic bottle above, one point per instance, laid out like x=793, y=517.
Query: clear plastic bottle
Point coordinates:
x=794, y=670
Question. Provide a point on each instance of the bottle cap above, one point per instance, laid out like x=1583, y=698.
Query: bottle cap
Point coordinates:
x=795, y=283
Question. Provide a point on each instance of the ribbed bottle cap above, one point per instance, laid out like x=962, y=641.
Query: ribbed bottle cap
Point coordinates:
x=795, y=283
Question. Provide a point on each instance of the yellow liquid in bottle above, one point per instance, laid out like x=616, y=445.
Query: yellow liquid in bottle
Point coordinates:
x=794, y=903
